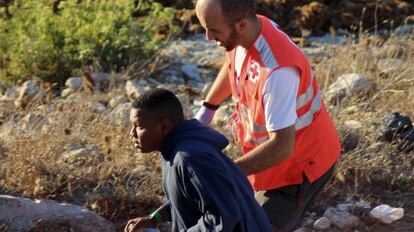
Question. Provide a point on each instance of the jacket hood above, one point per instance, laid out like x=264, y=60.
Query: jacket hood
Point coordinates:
x=195, y=131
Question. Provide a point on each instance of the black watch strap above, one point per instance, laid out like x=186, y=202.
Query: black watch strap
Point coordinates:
x=210, y=106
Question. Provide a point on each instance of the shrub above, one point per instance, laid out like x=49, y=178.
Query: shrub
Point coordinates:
x=55, y=39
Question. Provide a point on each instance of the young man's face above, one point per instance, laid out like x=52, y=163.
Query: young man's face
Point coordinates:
x=147, y=132
x=216, y=26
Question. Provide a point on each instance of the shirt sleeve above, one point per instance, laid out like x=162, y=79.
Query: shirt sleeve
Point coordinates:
x=279, y=98
x=213, y=192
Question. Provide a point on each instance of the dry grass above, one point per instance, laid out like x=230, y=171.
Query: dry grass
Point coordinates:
x=372, y=171
x=117, y=183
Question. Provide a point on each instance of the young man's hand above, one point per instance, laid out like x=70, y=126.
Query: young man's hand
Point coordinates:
x=135, y=224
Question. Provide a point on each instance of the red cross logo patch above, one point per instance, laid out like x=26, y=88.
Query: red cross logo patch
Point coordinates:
x=254, y=71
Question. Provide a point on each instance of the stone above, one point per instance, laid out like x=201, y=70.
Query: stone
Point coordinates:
x=395, y=125
x=134, y=89
x=74, y=83
x=102, y=80
x=192, y=72
x=386, y=213
x=353, y=125
x=120, y=115
x=32, y=123
x=73, y=156
x=322, y=223
x=96, y=107
x=196, y=50
x=27, y=93
x=348, y=85
x=24, y=214
x=115, y=101
x=340, y=218
x=66, y=92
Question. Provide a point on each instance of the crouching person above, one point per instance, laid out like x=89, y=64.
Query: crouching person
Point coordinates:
x=205, y=190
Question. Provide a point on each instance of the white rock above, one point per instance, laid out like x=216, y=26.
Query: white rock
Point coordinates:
x=386, y=213
x=74, y=83
x=322, y=223
x=353, y=124
x=23, y=214
x=96, y=107
x=75, y=146
x=197, y=51
x=348, y=85
x=27, y=92
x=352, y=109
x=340, y=218
x=192, y=72
x=120, y=115
x=102, y=80
x=134, y=89
x=66, y=92
x=75, y=155
x=115, y=101
x=33, y=122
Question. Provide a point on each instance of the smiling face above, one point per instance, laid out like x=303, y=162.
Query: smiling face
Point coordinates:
x=147, y=131
x=211, y=18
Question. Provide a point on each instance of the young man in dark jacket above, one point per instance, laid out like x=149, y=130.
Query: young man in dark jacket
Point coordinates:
x=205, y=190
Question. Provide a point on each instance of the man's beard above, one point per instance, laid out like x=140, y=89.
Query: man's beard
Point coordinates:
x=231, y=43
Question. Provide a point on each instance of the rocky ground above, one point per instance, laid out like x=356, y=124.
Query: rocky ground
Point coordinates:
x=71, y=144
x=303, y=18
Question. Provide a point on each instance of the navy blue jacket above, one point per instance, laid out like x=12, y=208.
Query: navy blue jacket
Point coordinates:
x=206, y=190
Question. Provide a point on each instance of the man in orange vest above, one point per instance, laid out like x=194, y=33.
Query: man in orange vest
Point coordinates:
x=290, y=145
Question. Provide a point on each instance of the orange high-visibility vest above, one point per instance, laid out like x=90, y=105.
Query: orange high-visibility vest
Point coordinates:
x=317, y=145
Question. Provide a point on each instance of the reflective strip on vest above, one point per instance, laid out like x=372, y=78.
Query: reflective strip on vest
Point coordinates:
x=262, y=140
x=265, y=52
x=307, y=118
x=255, y=128
x=258, y=141
x=307, y=96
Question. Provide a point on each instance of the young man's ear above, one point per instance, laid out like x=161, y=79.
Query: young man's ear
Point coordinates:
x=241, y=25
x=166, y=125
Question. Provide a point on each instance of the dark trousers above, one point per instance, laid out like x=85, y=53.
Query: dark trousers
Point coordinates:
x=286, y=206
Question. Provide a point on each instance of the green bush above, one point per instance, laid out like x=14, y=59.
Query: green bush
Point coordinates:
x=53, y=41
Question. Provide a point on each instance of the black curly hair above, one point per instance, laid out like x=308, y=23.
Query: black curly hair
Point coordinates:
x=161, y=101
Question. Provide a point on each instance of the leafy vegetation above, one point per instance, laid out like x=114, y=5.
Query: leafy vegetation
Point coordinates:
x=55, y=40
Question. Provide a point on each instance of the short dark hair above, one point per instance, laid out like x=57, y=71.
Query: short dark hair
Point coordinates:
x=234, y=10
x=161, y=101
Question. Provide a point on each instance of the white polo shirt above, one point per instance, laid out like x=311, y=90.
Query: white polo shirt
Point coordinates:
x=279, y=94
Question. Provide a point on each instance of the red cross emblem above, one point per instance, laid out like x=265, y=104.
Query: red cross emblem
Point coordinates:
x=254, y=71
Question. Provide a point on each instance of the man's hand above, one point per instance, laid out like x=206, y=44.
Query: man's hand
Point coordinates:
x=135, y=224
